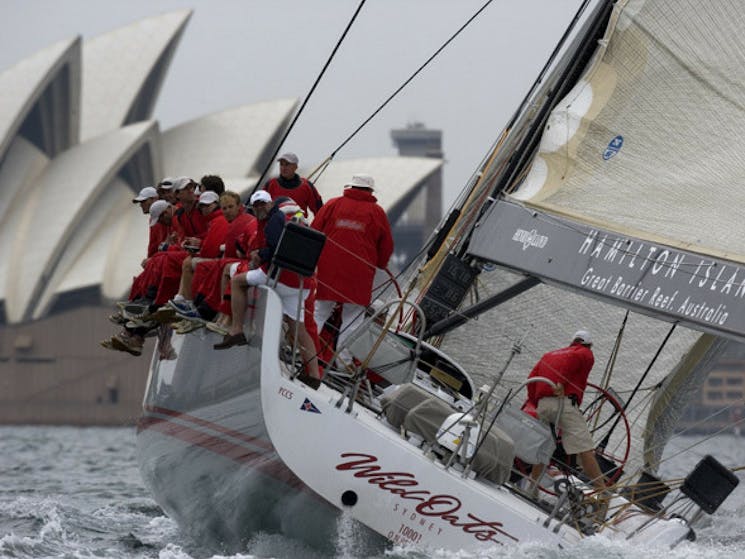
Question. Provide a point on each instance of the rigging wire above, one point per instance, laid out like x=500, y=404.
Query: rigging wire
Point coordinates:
x=410, y=78
x=605, y=382
x=319, y=170
x=308, y=96
x=606, y=439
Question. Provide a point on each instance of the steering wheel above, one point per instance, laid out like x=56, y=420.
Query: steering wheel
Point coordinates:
x=604, y=412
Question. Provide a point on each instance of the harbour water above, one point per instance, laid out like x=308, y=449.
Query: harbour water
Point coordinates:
x=76, y=493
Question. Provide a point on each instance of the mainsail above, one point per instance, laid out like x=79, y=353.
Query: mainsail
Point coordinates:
x=631, y=197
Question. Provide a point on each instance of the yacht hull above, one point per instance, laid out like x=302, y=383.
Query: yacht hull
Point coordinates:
x=204, y=453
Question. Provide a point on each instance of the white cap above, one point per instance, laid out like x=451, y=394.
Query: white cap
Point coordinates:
x=289, y=157
x=145, y=193
x=582, y=336
x=182, y=182
x=166, y=183
x=208, y=197
x=156, y=210
x=260, y=196
x=362, y=181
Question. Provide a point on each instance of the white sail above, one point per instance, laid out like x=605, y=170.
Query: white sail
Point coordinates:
x=647, y=143
x=631, y=196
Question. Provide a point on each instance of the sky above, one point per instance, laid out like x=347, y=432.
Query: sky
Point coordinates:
x=236, y=52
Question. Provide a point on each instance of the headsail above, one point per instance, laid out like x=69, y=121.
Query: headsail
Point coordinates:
x=641, y=151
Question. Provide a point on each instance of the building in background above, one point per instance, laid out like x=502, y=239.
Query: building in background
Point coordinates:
x=415, y=218
x=77, y=140
x=719, y=405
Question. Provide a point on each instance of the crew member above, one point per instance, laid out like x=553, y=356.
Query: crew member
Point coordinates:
x=358, y=240
x=292, y=185
x=568, y=368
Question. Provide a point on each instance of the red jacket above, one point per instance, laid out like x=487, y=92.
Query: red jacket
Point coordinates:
x=158, y=234
x=299, y=189
x=166, y=243
x=358, y=240
x=569, y=366
x=193, y=223
x=240, y=232
x=217, y=229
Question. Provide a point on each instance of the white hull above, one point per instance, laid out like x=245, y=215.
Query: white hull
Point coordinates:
x=361, y=465
x=220, y=446
x=204, y=453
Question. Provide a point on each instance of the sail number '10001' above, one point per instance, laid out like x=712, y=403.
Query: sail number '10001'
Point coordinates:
x=405, y=535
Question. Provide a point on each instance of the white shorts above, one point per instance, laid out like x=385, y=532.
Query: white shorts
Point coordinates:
x=575, y=436
x=288, y=295
x=257, y=276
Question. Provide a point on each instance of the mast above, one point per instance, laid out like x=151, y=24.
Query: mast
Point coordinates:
x=449, y=272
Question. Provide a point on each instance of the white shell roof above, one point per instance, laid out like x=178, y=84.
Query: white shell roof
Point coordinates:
x=394, y=176
x=63, y=201
x=22, y=84
x=118, y=64
x=97, y=247
x=68, y=223
x=227, y=143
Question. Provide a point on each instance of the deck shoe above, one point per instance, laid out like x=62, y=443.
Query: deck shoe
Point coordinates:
x=164, y=314
x=136, y=310
x=108, y=344
x=125, y=342
x=137, y=323
x=231, y=340
x=118, y=319
x=185, y=326
x=217, y=328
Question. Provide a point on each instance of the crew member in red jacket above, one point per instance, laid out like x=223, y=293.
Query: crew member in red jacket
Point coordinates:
x=292, y=185
x=290, y=286
x=131, y=339
x=210, y=277
x=190, y=219
x=158, y=234
x=358, y=240
x=211, y=249
x=568, y=368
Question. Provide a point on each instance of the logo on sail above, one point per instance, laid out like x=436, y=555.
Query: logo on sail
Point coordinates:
x=614, y=146
x=529, y=238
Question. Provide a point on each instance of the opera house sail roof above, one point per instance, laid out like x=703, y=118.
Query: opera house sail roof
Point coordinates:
x=78, y=137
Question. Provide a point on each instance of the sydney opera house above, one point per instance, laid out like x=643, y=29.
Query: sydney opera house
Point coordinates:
x=77, y=138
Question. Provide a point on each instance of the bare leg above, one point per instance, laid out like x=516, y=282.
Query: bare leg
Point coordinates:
x=226, y=320
x=591, y=468
x=306, y=346
x=238, y=287
x=187, y=273
x=536, y=471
